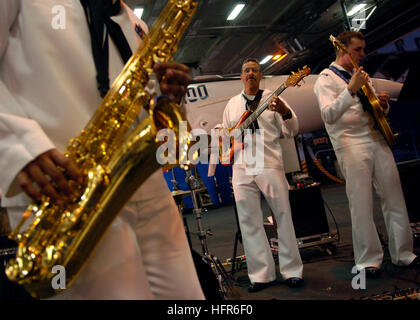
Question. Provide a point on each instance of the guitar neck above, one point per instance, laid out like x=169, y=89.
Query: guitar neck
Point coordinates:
x=367, y=88
x=353, y=62
x=261, y=108
x=341, y=47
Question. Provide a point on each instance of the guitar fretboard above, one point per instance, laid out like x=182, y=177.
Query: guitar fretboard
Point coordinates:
x=260, y=109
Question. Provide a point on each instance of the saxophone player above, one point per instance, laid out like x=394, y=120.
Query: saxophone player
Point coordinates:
x=56, y=64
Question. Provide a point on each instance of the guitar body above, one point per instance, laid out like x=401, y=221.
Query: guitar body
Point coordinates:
x=379, y=116
x=227, y=152
x=241, y=120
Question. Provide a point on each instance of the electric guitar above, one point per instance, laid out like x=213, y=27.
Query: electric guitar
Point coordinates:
x=379, y=115
x=227, y=150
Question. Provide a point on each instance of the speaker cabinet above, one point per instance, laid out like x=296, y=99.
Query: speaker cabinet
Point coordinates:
x=309, y=220
x=308, y=211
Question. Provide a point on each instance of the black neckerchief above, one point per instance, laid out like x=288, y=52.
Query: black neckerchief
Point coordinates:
x=252, y=105
x=98, y=15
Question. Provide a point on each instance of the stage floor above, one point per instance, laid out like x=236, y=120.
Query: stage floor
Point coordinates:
x=327, y=275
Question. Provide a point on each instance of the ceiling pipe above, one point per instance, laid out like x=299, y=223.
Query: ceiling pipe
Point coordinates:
x=346, y=19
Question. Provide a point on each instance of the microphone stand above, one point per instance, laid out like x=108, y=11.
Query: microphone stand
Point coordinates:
x=175, y=183
x=238, y=238
x=225, y=284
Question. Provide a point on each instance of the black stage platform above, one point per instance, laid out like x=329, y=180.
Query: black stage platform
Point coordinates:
x=327, y=266
x=327, y=272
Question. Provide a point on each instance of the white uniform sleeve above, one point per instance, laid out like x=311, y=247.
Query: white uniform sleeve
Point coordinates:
x=289, y=127
x=226, y=117
x=21, y=139
x=332, y=105
x=214, y=146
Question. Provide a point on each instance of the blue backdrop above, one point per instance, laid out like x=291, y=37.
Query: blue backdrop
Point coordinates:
x=222, y=196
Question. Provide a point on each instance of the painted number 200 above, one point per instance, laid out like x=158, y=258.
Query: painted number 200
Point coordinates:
x=195, y=93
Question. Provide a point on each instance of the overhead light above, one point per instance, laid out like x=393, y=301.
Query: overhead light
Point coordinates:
x=238, y=8
x=279, y=57
x=265, y=60
x=356, y=9
x=138, y=12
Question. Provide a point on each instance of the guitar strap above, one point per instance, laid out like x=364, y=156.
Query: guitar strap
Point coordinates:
x=252, y=105
x=346, y=77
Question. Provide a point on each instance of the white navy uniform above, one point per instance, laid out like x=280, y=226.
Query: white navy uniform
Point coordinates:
x=48, y=94
x=269, y=178
x=365, y=160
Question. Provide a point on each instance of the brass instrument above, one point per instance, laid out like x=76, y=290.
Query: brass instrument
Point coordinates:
x=113, y=164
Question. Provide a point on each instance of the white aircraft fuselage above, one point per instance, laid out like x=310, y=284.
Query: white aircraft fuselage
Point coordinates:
x=205, y=101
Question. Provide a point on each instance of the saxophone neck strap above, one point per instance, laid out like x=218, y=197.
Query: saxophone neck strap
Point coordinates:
x=98, y=16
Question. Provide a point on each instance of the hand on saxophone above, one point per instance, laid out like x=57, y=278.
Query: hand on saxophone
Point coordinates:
x=174, y=79
x=50, y=172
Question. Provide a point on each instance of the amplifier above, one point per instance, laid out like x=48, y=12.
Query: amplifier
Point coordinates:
x=309, y=219
x=308, y=211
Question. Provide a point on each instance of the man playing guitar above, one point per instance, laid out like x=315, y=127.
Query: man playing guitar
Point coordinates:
x=364, y=158
x=278, y=122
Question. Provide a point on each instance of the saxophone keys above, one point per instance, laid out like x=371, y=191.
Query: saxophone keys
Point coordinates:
x=25, y=264
x=68, y=221
x=12, y=270
x=19, y=268
x=50, y=256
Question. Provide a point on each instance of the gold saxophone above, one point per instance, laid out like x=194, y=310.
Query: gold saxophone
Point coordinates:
x=114, y=165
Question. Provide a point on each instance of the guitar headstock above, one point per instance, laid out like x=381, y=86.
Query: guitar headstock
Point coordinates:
x=296, y=77
x=338, y=44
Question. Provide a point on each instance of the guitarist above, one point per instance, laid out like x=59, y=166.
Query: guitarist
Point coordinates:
x=277, y=122
x=364, y=158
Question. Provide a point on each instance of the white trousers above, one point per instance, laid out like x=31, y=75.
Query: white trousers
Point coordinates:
x=143, y=255
x=370, y=164
x=274, y=186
